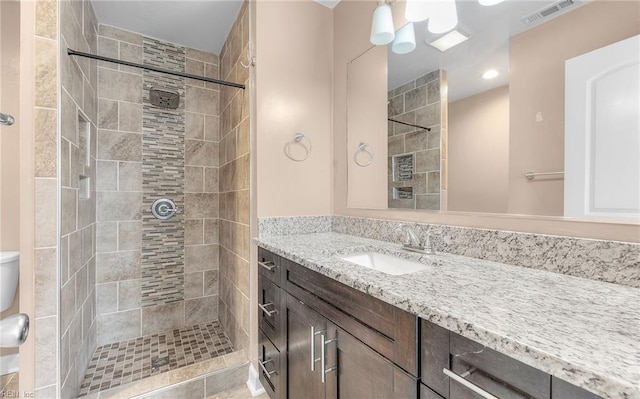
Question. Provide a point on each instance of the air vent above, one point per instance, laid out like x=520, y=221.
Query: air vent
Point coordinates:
x=551, y=11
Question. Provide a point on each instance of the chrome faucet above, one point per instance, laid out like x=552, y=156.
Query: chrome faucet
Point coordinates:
x=413, y=243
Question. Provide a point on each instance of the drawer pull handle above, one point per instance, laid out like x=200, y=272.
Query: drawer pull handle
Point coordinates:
x=266, y=311
x=323, y=370
x=468, y=384
x=313, y=347
x=264, y=368
x=269, y=265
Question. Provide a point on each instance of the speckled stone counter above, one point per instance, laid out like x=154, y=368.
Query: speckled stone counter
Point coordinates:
x=582, y=331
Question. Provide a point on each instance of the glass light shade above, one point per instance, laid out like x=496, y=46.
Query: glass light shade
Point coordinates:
x=405, y=41
x=489, y=2
x=445, y=16
x=418, y=10
x=382, y=31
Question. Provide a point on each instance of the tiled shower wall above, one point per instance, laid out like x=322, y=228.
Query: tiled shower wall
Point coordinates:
x=417, y=158
x=78, y=110
x=44, y=327
x=137, y=154
x=234, y=186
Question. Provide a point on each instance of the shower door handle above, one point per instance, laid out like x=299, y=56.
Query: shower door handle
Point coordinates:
x=6, y=120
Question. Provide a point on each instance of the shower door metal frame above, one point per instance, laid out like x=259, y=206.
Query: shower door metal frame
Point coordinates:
x=155, y=69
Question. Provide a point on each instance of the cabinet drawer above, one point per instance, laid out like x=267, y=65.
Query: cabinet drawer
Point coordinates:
x=390, y=331
x=271, y=369
x=426, y=393
x=563, y=390
x=271, y=311
x=269, y=266
x=494, y=372
x=434, y=356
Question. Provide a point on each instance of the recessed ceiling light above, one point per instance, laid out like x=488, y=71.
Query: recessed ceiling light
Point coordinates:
x=449, y=40
x=490, y=74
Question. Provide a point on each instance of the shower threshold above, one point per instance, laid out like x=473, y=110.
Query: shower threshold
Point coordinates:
x=153, y=361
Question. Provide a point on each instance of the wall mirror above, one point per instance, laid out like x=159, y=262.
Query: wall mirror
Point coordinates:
x=552, y=129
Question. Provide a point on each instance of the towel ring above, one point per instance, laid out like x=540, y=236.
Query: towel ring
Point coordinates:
x=297, y=139
x=363, y=147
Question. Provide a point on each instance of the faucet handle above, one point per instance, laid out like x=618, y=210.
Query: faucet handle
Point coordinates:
x=428, y=243
x=403, y=229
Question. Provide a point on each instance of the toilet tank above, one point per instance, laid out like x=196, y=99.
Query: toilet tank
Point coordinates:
x=9, y=270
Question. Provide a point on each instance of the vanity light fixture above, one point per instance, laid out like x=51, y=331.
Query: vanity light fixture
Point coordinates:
x=449, y=40
x=405, y=41
x=490, y=74
x=382, y=31
x=489, y=2
x=418, y=10
x=444, y=16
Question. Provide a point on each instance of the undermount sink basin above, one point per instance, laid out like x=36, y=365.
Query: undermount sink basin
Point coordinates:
x=385, y=263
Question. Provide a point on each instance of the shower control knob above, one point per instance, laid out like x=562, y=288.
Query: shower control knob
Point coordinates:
x=163, y=209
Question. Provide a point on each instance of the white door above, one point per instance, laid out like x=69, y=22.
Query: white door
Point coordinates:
x=602, y=133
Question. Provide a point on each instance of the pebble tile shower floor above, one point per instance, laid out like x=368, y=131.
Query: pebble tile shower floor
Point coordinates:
x=123, y=362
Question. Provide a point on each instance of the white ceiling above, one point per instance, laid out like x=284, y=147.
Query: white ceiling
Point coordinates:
x=489, y=29
x=199, y=24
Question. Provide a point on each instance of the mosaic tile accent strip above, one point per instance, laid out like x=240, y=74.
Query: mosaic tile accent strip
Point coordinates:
x=163, y=153
x=403, y=192
x=123, y=362
x=404, y=165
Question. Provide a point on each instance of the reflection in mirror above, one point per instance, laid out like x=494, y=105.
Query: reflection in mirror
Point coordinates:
x=416, y=124
x=507, y=143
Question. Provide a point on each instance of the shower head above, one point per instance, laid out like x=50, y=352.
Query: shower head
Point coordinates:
x=164, y=98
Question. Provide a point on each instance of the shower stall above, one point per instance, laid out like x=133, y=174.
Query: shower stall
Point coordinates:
x=154, y=210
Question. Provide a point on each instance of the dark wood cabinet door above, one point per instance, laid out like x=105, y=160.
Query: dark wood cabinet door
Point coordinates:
x=271, y=311
x=362, y=373
x=303, y=376
x=271, y=367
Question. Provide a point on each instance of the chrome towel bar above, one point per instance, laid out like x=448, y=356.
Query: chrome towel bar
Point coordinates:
x=532, y=175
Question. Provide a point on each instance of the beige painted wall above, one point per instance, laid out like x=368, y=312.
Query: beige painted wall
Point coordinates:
x=351, y=30
x=10, y=137
x=537, y=88
x=351, y=27
x=478, y=161
x=294, y=94
x=366, y=123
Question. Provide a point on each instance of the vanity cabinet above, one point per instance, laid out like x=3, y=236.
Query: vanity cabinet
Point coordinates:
x=320, y=339
x=271, y=322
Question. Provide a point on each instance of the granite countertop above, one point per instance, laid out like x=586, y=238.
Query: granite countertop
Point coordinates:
x=582, y=331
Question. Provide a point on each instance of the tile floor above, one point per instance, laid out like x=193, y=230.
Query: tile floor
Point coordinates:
x=239, y=392
x=127, y=361
x=8, y=385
